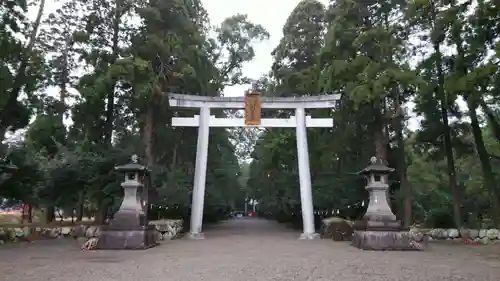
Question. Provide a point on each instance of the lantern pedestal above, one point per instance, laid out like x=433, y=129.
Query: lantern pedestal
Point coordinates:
x=127, y=238
x=129, y=229
x=383, y=240
x=379, y=229
x=381, y=235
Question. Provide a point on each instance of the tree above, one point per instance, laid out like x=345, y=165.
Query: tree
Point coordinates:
x=21, y=64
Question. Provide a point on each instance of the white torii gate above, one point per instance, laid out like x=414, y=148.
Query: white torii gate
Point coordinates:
x=204, y=121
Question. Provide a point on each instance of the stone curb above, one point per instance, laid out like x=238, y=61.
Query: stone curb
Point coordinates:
x=166, y=230
x=482, y=236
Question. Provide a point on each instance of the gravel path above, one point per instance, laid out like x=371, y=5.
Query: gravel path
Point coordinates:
x=246, y=249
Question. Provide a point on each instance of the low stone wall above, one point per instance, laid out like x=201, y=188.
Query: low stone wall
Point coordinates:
x=166, y=230
x=334, y=226
x=481, y=236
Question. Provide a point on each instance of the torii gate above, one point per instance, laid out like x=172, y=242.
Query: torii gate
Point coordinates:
x=252, y=104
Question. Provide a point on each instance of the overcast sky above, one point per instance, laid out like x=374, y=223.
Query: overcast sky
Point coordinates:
x=272, y=14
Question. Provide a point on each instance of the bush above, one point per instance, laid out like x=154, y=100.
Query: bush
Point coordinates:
x=439, y=219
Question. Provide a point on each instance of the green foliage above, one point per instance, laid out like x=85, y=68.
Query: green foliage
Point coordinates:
x=367, y=53
x=119, y=74
x=14, y=114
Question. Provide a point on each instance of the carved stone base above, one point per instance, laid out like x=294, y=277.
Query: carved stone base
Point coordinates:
x=384, y=241
x=309, y=236
x=139, y=238
x=378, y=225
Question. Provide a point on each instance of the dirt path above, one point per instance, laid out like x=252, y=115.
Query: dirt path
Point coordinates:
x=247, y=249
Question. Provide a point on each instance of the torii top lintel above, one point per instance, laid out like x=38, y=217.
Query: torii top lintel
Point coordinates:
x=320, y=101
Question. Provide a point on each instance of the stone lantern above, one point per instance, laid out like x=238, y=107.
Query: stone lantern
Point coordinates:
x=129, y=227
x=378, y=205
x=379, y=229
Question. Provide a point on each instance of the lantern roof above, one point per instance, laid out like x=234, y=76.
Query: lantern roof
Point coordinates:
x=6, y=167
x=133, y=166
x=377, y=166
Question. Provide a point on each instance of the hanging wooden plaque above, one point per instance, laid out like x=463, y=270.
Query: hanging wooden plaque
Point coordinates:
x=252, y=108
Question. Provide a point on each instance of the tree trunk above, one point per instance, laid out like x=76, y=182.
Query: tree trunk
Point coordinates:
x=110, y=99
x=30, y=213
x=50, y=214
x=447, y=137
x=489, y=177
x=63, y=84
x=380, y=139
x=492, y=120
x=148, y=147
x=80, y=205
x=401, y=158
x=461, y=67
x=101, y=214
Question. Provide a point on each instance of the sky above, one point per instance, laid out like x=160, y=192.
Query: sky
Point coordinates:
x=270, y=14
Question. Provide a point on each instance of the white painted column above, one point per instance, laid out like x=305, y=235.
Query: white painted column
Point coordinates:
x=200, y=173
x=306, y=200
